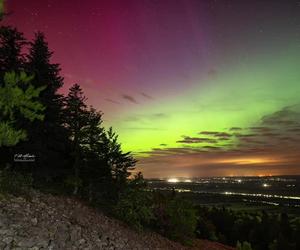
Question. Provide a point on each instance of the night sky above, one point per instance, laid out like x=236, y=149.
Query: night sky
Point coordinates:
x=192, y=87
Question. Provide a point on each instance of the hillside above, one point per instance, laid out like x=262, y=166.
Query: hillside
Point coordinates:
x=50, y=222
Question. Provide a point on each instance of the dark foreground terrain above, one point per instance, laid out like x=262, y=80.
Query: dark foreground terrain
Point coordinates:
x=49, y=222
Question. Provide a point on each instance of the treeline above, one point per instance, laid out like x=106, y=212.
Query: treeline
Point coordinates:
x=70, y=146
x=261, y=230
x=65, y=146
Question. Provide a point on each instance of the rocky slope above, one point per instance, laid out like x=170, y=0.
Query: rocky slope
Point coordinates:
x=50, y=222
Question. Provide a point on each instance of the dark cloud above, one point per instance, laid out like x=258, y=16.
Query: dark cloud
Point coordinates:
x=270, y=134
x=275, y=130
x=188, y=140
x=245, y=135
x=112, y=101
x=212, y=73
x=159, y=115
x=296, y=130
x=146, y=95
x=223, y=138
x=286, y=117
x=216, y=134
x=211, y=147
x=129, y=98
x=146, y=118
x=251, y=140
x=261, y=129
x=235, y=129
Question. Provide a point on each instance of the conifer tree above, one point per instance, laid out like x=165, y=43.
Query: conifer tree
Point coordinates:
x=47, y=139
x=95, y=174
x=11, y=45
x=76, y=120
x=119, y=163
x=15, y=104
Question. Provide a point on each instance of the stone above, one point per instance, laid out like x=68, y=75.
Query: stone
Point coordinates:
x=81, y=241
x=7, y=240
x=2, y=245
x=6, y=232
x=34, y=221
x=34, y=248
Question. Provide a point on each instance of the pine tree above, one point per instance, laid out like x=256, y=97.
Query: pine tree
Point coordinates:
x=47, y=139
x=76, y=120
x=95, y=176
x=119, y=163
x=15, y=104
x=11, y=44
x=39, y=63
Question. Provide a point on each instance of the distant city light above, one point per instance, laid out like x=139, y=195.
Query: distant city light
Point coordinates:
x=266, y=185
x=187, y=180
x=239, y=181
x=173, y=180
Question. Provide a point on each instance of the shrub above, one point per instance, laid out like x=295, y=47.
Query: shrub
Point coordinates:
x=12, y=182
x=244, y=246
x=175, y=218
x=72, y=181
x=135, y=208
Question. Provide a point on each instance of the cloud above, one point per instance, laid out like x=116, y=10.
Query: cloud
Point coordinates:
x=188, y=140
x=146, y=95
x=112, y=101
x=129, y=98
x=261, y=129
x=159, y=115
x=284, y=117
x=212, y=73
x=146, y=119
x=235, y=129
x=215, y=134
x=245, y=135
x=211, y=147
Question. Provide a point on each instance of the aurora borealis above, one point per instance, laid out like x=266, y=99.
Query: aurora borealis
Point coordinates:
x=192, y=87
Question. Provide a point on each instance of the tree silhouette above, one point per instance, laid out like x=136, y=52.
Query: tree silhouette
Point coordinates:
x=95, y=174
x=47, y=139
x=76, y=120
x=11, y=44
x=118, y=162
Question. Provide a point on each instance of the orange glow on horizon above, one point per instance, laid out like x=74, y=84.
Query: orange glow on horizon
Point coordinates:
x=245, y=161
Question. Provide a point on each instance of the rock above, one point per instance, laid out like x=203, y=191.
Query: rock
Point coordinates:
x=34, y=221
x=34, y=248
x=2, y=245
x=81, y=241
x=26, y=243
x=6, y=232
x=7, y=240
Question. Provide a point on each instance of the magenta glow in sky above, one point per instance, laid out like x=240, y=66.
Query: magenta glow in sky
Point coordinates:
x=164, y=71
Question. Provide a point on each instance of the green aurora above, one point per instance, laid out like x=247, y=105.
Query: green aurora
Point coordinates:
x=237, y=96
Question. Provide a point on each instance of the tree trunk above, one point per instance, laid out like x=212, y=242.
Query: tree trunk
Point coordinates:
x=76, y=175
